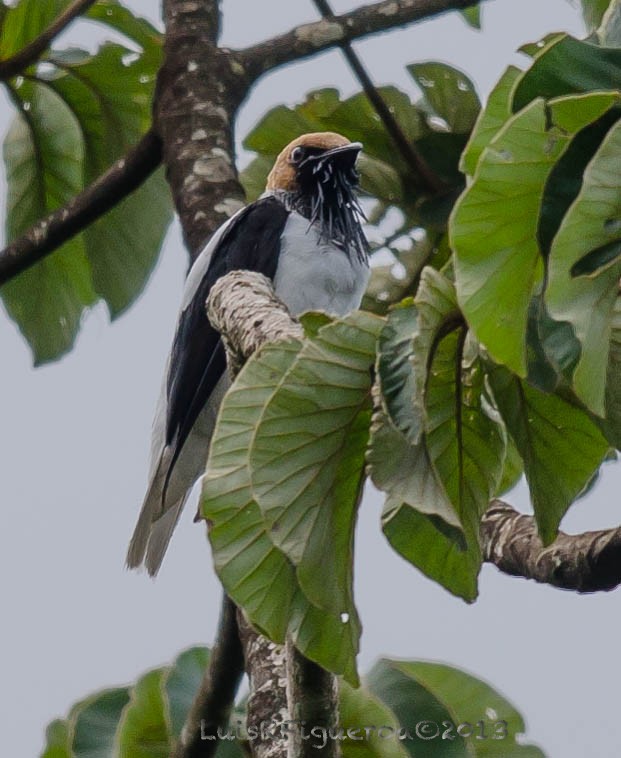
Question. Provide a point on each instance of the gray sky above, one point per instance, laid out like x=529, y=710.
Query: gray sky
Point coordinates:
x=74, y=443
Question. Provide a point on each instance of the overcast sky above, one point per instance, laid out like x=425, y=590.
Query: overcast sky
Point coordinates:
x=74, y=439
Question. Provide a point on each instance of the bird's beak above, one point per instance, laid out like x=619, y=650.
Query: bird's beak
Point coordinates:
x=346, y=153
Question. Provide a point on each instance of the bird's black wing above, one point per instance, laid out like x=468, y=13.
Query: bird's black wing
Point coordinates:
x=198, y=360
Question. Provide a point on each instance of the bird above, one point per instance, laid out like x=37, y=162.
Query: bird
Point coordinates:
x=306, y=234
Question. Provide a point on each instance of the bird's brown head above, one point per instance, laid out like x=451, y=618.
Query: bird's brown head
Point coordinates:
x=316, y=175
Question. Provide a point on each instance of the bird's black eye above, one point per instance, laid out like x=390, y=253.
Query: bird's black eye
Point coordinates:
x=297, y=155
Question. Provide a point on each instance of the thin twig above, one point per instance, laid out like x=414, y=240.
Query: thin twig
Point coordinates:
x=212, y=706
x=30, y=54
x=413, y=158
x=120, y=180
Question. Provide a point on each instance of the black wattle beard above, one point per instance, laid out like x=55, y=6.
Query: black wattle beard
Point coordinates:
x=328, y=199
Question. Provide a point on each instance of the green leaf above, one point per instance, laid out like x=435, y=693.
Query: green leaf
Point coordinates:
x=254, y=572
x=465, y=435
x=512, y=470
x=25, y=21
x=472, y=16
x=307, y=457
x=111, y=98
x=565, y=180
x=497, y=257
x=422, y=695
x=395, y=372
x=559, y=444
x=139, y=30
x=438, y=313
x=431, y=546
x=181, y=684
x=143, y=731
x=43, y=154
x=609, y=32
x=256, y=575
x=398, y=460
x=57, y=740
x=612, y=424
x=95, y=722
x=586, y=300
x=496, y=112
x=100, y=107
x=358, y=709
x=447, y=93
x=403, y=470
x=457, y=466
x=564, y=66
x=593, y=12
x=358, y=119
x=254, y=176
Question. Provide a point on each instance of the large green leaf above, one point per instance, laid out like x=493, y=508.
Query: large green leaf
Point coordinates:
x=560, y=445
x=181, y=685
x=143, y=731
x=117, y=16
x=428, y=544
x=472, y=16
x=110, y=93
x=359, y=709
x=497, y=257
x=83, y=112
x=613, y=387
x=25, y=21
x=398, y=460
x=57, y=740
x=584, y=268
x=593, y=11
x=396, y=374
x=43, y=154
x=403, y=470
x=564, y=65
x=609, y=31
x=254, y=572
x=465, y=435
x=447, y=93
x=307, y=457
x=95, y=722
x=565, y=180
x=456, y=467
x=496, y=112
x=423, y=695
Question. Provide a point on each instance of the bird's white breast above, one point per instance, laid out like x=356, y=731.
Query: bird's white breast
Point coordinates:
x=317, y=275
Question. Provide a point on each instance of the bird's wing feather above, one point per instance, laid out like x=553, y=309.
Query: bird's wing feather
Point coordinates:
x=250, y=242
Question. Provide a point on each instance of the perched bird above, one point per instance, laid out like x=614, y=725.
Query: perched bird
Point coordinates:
x=305, y=234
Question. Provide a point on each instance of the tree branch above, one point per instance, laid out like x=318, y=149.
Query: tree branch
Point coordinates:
x=588, y=562
x=120, y=180
x=30, y=54
x=408, y=150
x=313, y=697
x=212, y=706
x=199, y=89
x=316, y=37
x=267, y=709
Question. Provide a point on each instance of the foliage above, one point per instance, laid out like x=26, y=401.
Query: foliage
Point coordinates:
x=396, y=713
x=493, y=346
x=75, y=114
x=504, y=357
